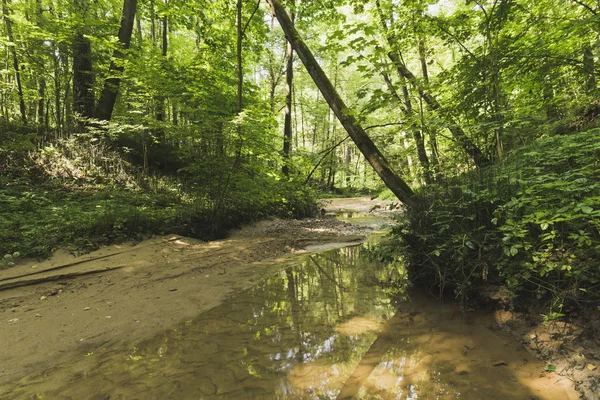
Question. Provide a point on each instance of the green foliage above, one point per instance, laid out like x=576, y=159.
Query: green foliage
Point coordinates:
x=531, y=223
x=37, y=219
x=80, y=193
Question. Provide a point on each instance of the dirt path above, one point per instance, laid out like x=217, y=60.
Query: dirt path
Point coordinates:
x=128, y=291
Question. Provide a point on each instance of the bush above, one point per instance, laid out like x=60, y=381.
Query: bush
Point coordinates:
x=531, y=222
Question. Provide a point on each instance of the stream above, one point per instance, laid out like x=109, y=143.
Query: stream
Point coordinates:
x=332, y=324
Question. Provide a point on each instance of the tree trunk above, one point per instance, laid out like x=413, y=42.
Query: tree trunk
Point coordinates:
x=424, y=128
x=160, y=100
x=459, y=135
x=83, y=77
x=16, y=66
x=588, y=69
x=287, y=122
x=40, y=110
x=402, y=191
x=417, y=136
x=111, y=84
x=240, y=72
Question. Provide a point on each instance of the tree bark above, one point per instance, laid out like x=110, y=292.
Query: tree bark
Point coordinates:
x=16, y=65
x=111, y=84
x=588, y=69
x=240, y=71
x=287, y=121
x=425, y=129
x=160, y=99
x=83, y=77
x=417, y=136
x=400, y=188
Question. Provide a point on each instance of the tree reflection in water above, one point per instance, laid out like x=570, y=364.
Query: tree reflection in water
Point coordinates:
x=335, y=325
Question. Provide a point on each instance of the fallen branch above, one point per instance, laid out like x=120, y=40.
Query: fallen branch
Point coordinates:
x=51, y=278
x=77, y=262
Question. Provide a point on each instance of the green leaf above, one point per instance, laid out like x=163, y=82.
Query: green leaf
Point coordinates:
x=550, y=368
x=587, y=209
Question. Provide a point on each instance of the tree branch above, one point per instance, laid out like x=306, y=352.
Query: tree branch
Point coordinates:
x=250, y=19
x=589, y=8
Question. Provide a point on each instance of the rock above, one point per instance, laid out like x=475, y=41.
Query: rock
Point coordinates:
x=591, y=367
x=499, y=363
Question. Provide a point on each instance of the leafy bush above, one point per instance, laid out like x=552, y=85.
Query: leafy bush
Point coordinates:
x=531, y=222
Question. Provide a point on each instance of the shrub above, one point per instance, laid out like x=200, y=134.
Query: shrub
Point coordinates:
x=531, y=222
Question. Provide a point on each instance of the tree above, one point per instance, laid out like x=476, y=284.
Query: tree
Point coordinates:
x=15, y=59
x=400, y=188
x=289, y=84
x=110, y=91
x=457, y=132
x=83, y=75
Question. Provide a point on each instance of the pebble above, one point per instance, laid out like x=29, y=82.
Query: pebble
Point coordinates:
x=591, y=367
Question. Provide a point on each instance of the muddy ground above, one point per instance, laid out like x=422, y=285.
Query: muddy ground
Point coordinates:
x=126, y=292
x=130, y=291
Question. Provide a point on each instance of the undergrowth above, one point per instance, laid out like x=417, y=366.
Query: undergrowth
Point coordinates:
x=531, y=223
x=79, y=193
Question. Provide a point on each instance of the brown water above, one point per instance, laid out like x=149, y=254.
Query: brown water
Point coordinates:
x=331, y=326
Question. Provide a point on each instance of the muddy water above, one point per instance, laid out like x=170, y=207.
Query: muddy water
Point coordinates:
x=330, y=326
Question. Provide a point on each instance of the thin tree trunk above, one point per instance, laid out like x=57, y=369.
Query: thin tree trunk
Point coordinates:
x=287, y=122
x=400, y=188
x=588, y=69
x=57, y=104
x=459, y=135
x=41, y=101
x=160, y=100
x=16, y=65
x=431, y=131
x=138, y=22
x=417, y=136
x=111, y=84
x=152, y=22
x=240, y=71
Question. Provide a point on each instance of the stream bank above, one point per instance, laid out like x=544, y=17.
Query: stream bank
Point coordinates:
x=129, y=291
x=107, y=331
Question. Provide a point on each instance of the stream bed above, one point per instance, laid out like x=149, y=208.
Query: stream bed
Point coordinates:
x=333, y=324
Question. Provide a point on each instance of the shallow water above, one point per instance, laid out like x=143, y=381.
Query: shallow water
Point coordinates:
x=334, y=325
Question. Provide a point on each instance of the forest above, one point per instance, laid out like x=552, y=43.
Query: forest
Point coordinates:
x=123, y=119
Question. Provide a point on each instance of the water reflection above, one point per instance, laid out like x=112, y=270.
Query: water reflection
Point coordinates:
x=329, y=327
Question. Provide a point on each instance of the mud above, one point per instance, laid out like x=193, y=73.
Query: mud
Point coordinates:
x=69, y=320
x=129, y=291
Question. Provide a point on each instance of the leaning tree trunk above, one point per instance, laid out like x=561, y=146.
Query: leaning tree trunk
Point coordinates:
x=457, y=132
x=402, y=191
x=110, y=91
